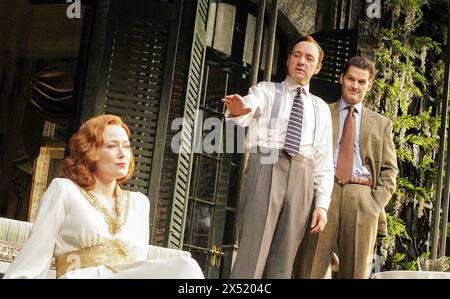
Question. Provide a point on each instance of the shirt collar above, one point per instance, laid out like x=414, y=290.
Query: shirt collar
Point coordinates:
x=292, y=85
x=343, y=104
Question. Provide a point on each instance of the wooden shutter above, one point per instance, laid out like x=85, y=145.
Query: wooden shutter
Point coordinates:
x=338, y=45
x=180, y=190
x=138, y=70
x=134, y=87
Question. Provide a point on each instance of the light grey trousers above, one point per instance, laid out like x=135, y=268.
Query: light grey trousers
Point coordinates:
x=275, y=208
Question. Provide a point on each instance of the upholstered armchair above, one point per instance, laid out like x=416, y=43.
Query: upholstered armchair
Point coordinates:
x=14, y=233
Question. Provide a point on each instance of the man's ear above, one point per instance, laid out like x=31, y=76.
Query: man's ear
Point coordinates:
x=341, y=79
x=369, y=86
x=319, y=66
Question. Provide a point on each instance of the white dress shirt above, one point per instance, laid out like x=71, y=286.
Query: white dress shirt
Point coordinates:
x=318, y=148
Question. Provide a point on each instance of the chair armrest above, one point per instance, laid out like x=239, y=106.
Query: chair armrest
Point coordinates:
x=9, y=250
x=4, y=266
x=14, y=231
x=157, y=253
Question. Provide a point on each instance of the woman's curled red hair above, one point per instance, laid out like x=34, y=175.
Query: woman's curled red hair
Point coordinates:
x=79, y=166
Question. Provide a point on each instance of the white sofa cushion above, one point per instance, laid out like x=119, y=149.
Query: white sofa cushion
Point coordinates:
x=14, y=233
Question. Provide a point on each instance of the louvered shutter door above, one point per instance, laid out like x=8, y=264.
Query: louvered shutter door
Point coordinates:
x=134, y=88
x=180, y=190
x=136, y=81
x=338, y=45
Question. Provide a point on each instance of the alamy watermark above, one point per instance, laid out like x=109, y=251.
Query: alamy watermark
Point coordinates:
x=210, y=137
x=376, y=264
x=73, y=11
x=373, y=9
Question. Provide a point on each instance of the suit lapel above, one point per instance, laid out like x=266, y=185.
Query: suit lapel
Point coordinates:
x=367, y=123
x=335, y=116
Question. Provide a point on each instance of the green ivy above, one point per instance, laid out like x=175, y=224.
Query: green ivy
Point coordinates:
x=407, y=90
x=400, y=262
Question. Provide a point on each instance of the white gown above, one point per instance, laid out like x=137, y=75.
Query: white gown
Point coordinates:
x=68, y=222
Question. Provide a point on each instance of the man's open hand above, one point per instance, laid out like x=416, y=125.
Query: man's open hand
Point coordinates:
x=236, y=105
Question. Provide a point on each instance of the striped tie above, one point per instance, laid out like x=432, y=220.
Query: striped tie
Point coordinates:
x=294, y=129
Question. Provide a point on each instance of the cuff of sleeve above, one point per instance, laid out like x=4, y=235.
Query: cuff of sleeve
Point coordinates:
x=240, y=120
x=323, y=202
x=228, y=115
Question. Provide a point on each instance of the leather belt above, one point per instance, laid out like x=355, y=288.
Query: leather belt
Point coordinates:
x=357, y=181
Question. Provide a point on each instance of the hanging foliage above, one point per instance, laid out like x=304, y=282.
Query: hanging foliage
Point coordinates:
x=407, y=89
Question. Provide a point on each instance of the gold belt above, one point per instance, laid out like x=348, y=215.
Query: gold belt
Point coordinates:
x=108, y=253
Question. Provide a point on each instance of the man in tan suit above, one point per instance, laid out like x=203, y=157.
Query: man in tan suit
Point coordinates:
x=365, y=178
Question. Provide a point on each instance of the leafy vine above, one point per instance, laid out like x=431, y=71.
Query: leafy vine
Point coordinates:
x=408, y=89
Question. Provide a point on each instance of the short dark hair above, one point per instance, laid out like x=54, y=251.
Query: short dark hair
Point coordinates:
x=361, y=63
x=310, y=39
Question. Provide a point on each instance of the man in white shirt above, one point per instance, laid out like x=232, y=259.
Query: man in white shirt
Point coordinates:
x=281, y=198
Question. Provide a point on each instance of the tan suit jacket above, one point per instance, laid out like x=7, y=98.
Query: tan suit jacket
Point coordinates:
x=378, y=155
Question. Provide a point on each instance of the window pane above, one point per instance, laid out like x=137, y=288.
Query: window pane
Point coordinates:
x=234, y=138
x=228, y=236
x=217, y=82
x=212, y=134
x=192, y=187
x=249, y=38
x=233, y=187
x=221, y=26
x=201, y=224
x=188, y=225
x=201, y=257
x=207, y=178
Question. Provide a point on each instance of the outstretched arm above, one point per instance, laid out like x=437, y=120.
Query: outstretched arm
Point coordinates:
x=242, y=110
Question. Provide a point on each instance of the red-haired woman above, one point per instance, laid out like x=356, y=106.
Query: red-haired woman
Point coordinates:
x=92, y=227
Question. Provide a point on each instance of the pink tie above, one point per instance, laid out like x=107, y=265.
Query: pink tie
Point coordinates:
x=344, y=168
